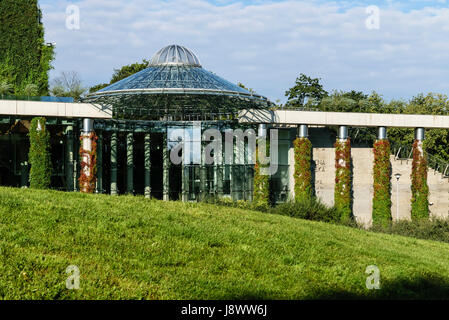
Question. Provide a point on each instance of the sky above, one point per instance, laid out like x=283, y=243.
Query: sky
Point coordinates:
x=396, y=48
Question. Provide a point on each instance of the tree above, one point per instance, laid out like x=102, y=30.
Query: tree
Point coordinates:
x=241, y=85
x=122, y=73
x=31, y=90
x=68, y=84
x=5, y=88
x=306, y=92
x=24, y=56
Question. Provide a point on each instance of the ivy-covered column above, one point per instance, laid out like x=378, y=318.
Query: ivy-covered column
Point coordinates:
x=261, y=191
x=343, y=178
x=165, y=169
x=381, y=178
x=303, y=167
x=114, y=190
x=88, y=156
x=420, y=189
x=147, y=165
x=39, y=154
x=130, y=163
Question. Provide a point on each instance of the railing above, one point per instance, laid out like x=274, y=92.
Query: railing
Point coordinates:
x=42, y=99
x=401, y=152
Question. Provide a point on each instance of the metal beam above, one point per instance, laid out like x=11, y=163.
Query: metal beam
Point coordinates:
x=114, y=190
x=147, y=165
x=166, y=168
x=130, y=163
x=100, y=162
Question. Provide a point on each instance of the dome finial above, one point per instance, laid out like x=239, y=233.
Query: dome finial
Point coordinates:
x=175, y=55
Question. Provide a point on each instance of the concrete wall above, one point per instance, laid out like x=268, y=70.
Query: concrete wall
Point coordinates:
x=362, y=161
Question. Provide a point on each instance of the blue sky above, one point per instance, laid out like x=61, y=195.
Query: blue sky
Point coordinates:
x=264, y=44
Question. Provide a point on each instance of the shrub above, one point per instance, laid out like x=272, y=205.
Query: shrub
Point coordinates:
x=310, y=209
x=39, y=154
x=436, y=229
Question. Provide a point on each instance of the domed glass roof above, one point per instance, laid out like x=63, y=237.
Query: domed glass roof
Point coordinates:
x=175, y=79
x=175, y=55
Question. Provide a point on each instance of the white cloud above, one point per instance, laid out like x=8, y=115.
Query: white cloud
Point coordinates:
x=265, y=45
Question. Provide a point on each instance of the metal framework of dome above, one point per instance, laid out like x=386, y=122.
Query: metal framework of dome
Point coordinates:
x=176, y=86
x=175, y=55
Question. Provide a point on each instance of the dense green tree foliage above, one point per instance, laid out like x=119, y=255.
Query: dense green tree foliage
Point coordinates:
x=307, y=92
x=122, y=73
x=25, y=58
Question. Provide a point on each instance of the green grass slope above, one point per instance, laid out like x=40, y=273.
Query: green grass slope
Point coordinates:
x=132, y=248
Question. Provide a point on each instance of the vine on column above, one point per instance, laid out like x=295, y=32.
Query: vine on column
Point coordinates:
x=343, y=179
x=303, y=169
x=87, y=181
x=39, y=154
x=382, y=184
x=420, y=189
x=261, y=192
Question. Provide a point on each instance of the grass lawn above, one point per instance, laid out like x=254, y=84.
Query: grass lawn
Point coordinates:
x=132, y=248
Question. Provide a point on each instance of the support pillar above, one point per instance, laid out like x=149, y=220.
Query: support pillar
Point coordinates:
x=166, y=169
x=87, y=172
x=302, y=168
x=114, y=190
x=147, y=165
x=100, y=163
x=303, y=131
x=203, y=173
x=70, y=159
x=130, y=163
x=420, y=188
x=343, y=173
x=381, y=205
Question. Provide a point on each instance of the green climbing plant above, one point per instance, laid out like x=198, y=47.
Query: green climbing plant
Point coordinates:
x=303, y=169
x=261, y=193
x=39, y=154
x=382, y=184
x=343, y=179
x=420, y=189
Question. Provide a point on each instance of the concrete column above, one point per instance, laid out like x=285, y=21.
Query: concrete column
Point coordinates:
x=262, y=130
x=419, y=134
x=147, y=165
x=100, y=162
x=166, y=169
x=342, y=132
x=303, y=131
x=382, y=133
x=130, y=163
x=86, y=157
x=69, y=164
x=114, y=190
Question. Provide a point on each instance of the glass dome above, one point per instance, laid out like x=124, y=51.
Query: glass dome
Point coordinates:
x=175, y=55
x=175, y=85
